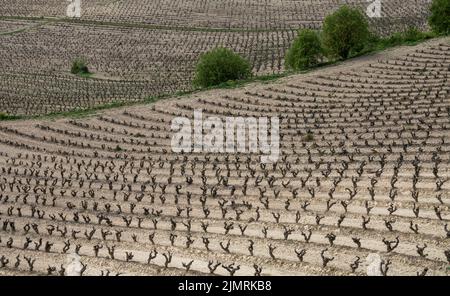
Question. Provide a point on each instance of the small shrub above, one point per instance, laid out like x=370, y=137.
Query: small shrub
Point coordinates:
x=309, y=137
x=412, y=34
x=305, y=51
x=393, y=40
x=79, y=67
x=220, y=65
x=439, y=19
x=118, y=148
x=373, y=38
x=345, y=31
x=6, y=116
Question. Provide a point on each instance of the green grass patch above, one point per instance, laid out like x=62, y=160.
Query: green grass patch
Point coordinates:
x=85, y=75
x=13, y=32
x=412, y=36
x=5, y=117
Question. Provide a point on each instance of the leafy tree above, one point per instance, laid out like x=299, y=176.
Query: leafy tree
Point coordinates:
x=305, y=51
x=439, y=19
x=345, y=31
x=220, y=65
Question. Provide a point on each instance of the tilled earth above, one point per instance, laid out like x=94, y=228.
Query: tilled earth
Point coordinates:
x=364, y=169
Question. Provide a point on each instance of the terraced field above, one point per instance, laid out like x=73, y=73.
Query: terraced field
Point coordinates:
x=371, y=177
x=139, y=49
x=131, y=64
x=234, y=14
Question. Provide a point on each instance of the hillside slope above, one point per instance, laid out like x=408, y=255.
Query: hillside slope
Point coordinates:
x=365, y=168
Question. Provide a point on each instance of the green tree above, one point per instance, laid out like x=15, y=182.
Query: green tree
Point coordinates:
x=220, y=65
x=305, y=51
x=439, y=19
x=345, y=31
x=79, y=67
